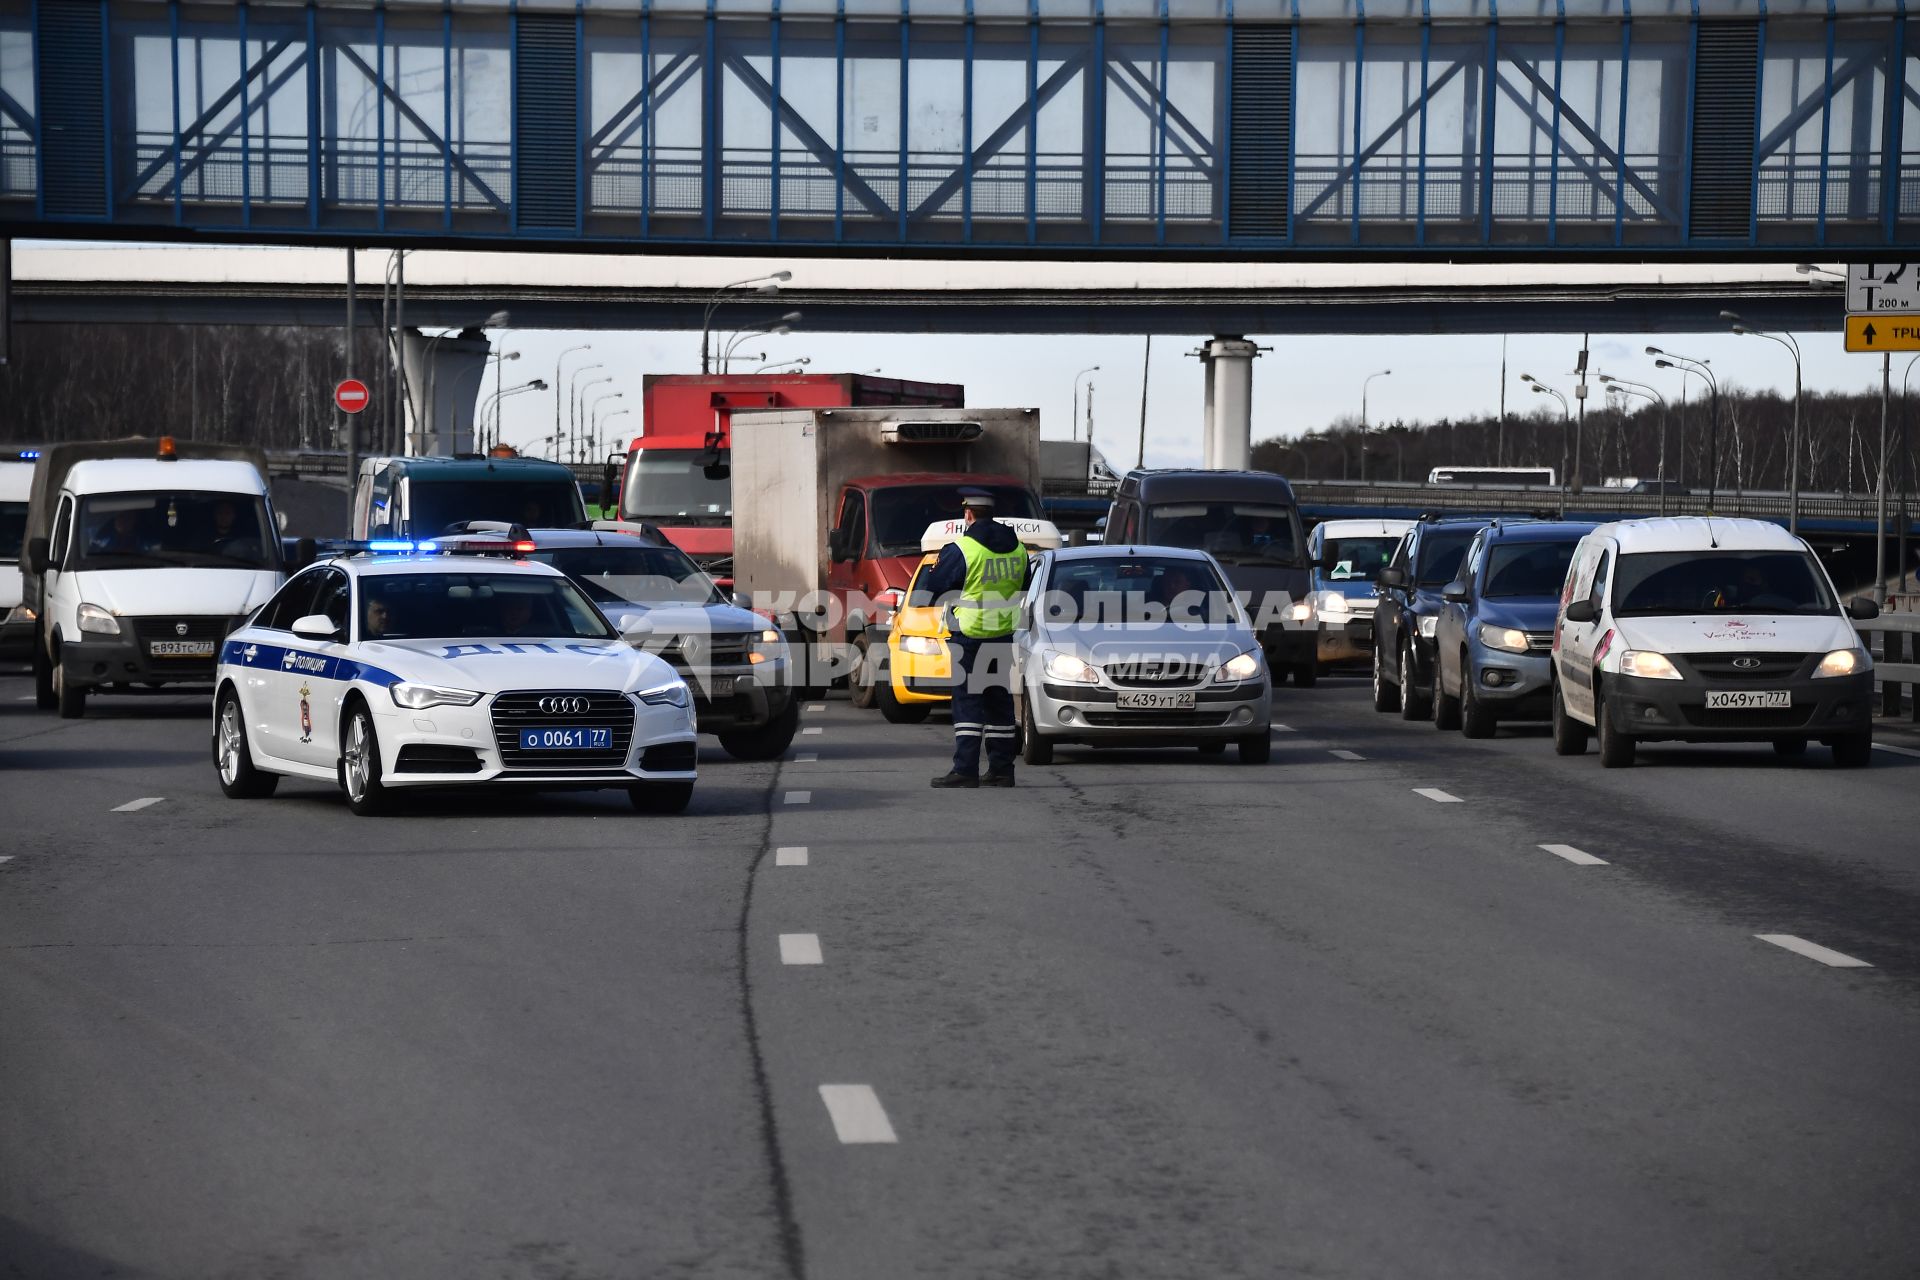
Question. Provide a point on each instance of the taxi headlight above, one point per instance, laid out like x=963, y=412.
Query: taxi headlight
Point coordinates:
x=1064, y=666
x=1505, y=639
x=1646, y=665
x=1244, y=667
x=418, y=697
x=666, y=695
x=92, y=617
x=1842, y=662
x=926, y=646
x=1428, y=624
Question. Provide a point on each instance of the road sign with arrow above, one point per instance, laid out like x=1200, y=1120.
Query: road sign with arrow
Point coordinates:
x=1883, y=333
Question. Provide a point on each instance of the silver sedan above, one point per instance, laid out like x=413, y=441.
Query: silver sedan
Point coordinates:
x=1138, y=646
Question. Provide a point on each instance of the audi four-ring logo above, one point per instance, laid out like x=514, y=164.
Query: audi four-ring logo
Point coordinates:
x=564, y=706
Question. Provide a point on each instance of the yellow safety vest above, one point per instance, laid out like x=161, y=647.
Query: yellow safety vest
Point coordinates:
x=994, y=580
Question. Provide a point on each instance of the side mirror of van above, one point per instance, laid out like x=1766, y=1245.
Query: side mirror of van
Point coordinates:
x=1456, y=592
x=837, y=544
x=316, y=626
x=1395, y=578
x=1582, y=611
x=1861, y=609
x=39, y=552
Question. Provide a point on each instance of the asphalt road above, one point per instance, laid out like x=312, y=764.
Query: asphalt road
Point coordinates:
x=1146, y=1015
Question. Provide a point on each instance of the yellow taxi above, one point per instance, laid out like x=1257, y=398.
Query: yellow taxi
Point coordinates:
x=919, y=670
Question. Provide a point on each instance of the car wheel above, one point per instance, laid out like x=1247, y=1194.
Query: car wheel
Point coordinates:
x=1412, y=705
x=69, y=698
x=1790, y=748
x=1855, y=751
x=1476, y=718
x=1386, y=697
x=1256, y=749
x=1034, y=747
x=1305, y=674
x=44, y=696
x=763, y=742
x=660, y=797
x=861, y=685
x=1446, y=709
x=1616, y=748
x=232, y=757
x=367, y=796
x=898, y=712
x=1569, y=735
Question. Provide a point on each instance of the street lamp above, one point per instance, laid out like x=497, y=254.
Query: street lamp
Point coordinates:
x=496, y=320
x=767, y=284
x=493, y=403
x=798, y=362
x=1687, y=364
x=1364, y=384
x=1566, y=416
x=574, y=386
x=600, y=449
x=775, y=329
x=1645, y=392
x=1073, y=423
x=573, y=410
x=585, y=346
x=1788, y=341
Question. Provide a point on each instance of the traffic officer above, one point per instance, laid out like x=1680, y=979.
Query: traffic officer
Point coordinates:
x=982, y=572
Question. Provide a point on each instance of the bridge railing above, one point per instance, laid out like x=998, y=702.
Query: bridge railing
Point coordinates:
x=1521, y=500
x=1896, y=660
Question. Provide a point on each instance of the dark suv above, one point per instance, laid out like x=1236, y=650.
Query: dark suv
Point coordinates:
x=1408, y=614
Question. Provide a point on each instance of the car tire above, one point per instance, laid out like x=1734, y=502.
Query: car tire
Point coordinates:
x=1386, y=697
x=1569, y=735
x=232, y=757
x=1213, y=748
x=763, y=742
x=1306, y=673
x=1412, y=705
x=359, y=767
x=1256, y=749
x=660, y=797
x=1446, y=709
x=44, y=696
x=895, y=711
x=1855, y=751
x=861, y=687
x=1790, y=748
x=1035, y=748
x=1476, y=717
x=1616, y=748
x=68, y=698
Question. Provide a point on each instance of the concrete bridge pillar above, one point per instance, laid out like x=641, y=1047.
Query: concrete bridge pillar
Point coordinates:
x=1229, y=417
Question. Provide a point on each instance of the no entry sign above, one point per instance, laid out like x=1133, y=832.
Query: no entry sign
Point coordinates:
x=351, y=395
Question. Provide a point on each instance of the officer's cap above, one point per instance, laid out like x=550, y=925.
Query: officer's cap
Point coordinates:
x=976, y=500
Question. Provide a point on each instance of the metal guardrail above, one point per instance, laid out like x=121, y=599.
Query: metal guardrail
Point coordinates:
x=1899, y=635
x=1412, y=495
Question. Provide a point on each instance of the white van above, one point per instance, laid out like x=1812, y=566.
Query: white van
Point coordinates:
x=16, y=620
x=1699, y=629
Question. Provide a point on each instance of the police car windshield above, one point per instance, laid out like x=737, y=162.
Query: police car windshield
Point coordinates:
x=1359, y=559
x=633, y=575
x=1135, y=591
x=901, y=515
x=447, y=606
x=1720, y=582
x=1528, y=569
x=166, y=529
x=433, y=505
x=1440, y=556
x=1235, y=532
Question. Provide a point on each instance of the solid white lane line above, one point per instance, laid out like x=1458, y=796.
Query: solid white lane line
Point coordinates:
x=6, y=857
x=806, y=757
x=790, y=855
x=798, y=797
x=816, y=706
x=134, y=806
x=1899, y=751
x=857, y=1114
x=1341, y=753
x=1283, y=728
x=1579, y=857
x=1436, y=795
x=799, y=948
x=812, y=730
x=1813, y=951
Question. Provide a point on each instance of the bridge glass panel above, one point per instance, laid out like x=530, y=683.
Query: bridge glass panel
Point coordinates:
x=1821, y=139
x=18, y=129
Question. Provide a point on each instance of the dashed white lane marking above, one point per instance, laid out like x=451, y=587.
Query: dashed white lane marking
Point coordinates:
x=790, y=855
x=1899, y=751
x=134, y=806
x=857, y=1114
x=798, y=797
x=1340, y=753
x=26, y=697
x=806, y=757
x=6, y=857
x=1436, y=795
x=799, y=948
x=1283, y=728
x=816, y=706
x=1579, y=857
x=813, y=730
x=1813, y=951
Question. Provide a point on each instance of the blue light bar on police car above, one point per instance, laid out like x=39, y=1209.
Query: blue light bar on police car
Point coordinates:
x=394, y=546
x=28, y=455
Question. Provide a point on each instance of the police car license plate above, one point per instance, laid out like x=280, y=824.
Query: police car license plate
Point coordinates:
x=1151, y=700
x=1748, y=699
x=180, y=648
x=565, y=739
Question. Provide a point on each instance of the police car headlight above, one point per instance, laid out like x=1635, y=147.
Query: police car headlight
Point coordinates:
x=1648, y=666
x=92, y=617
x=666, y=695
x=418, y=697
x=1244, y=667
x=1064, y=666
x=1505, y=639
x=1843, y=662
x=926, y=646
x=1428, y=625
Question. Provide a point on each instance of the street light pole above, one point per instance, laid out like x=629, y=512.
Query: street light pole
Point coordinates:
x=1647, y=393
x=585, y=346
x=1688, y=364
x=573, y=409
x=1566, y=421
x=1364, y=384
x=1074, y=422
x=768, y=284
x=1788, y=341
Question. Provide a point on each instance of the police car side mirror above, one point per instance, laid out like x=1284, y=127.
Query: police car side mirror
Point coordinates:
x=1582, y=611
x=39, y=552
x=1862, y=609
x=1392, y=578
x=316, y=626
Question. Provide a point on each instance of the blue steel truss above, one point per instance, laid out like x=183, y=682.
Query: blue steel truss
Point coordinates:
x=1364, y=128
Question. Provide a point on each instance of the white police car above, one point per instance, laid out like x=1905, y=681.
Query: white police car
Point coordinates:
x=392, y=667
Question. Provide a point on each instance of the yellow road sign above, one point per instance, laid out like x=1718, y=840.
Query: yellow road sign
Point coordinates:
x=1899, y=331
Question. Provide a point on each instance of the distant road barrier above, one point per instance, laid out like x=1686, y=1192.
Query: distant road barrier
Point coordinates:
x=1899, y=635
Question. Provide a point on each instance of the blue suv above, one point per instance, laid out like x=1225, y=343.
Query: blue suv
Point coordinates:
x=1408, y=612
x=1494, y=640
